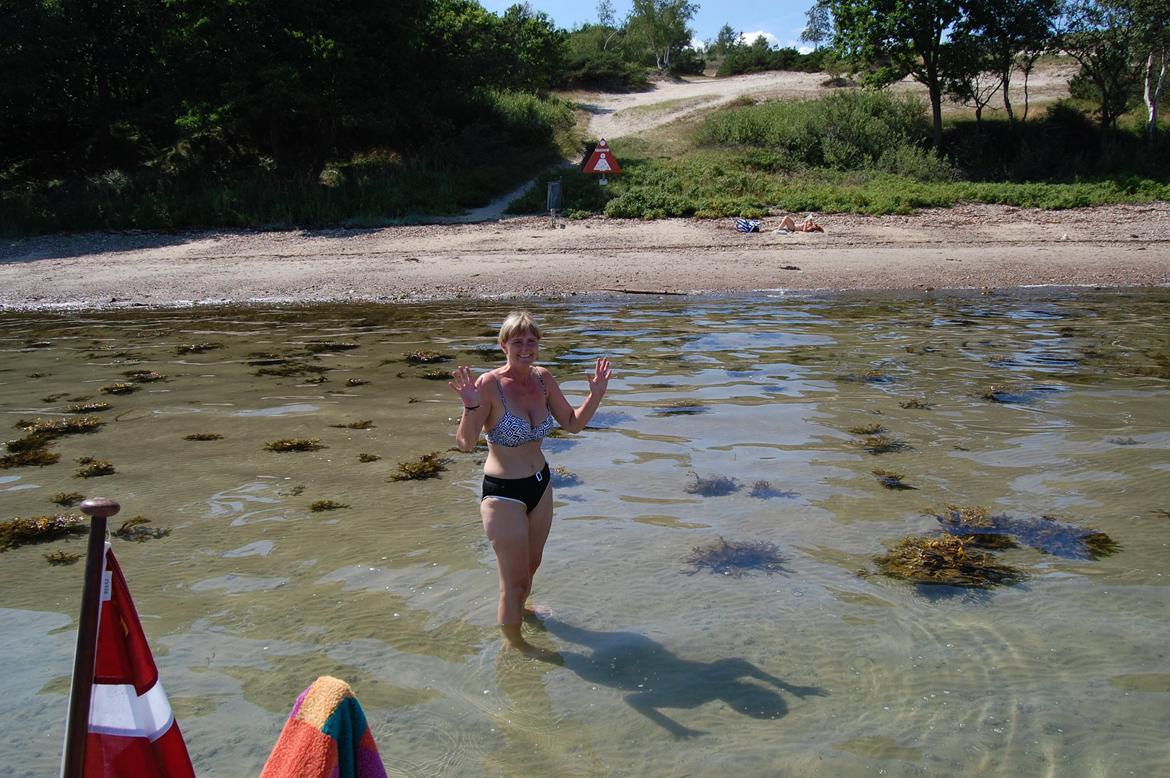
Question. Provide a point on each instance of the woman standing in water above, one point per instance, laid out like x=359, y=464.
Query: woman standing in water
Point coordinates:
x=517, y=403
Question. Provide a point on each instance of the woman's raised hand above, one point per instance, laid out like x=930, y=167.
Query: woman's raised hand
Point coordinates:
x=599, y=380
x=463, y=384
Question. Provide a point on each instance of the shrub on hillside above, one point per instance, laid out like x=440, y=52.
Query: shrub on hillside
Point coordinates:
x=843, y=131
x=688, y=62
x=759, y=56
x=604, y=70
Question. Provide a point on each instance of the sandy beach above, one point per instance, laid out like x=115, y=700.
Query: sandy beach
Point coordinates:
x=484, y=254
x=970, y=246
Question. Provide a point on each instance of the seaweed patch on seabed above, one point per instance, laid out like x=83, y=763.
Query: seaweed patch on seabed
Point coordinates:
x=892, y=480
x=362, y=424
x=424, y=357
x=915, y=404
x=872, y=376
x=93, y=468
x=48, y=429
x=680, y=408
x=326, y=505
x=196, y=348
x=324, y=346
x=87, y=407
x=144, y=376
x=40, y=529
x=61, y=558
x=945, y=560
x=135, y=529
x=881, y=444
x=437, y=375
x=356, y=382
x=35, y=457
x=867, y=429
x=426, y=466
x=67, y=499
x=291, y=369
x=712, y=486
x=203, y=436
x=119, y=389
x=1007, y=395
x=1046, y=534
x=736, y=558
x=285, y=445
x=764, y=490
x=562, y=477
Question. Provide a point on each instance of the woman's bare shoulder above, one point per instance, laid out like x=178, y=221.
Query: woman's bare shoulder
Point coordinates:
x=546, y=375
x=486, y=378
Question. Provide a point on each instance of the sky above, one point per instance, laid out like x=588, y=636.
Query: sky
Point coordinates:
x=781, y=21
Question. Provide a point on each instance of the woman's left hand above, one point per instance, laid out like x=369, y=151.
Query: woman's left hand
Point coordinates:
x=600, y=380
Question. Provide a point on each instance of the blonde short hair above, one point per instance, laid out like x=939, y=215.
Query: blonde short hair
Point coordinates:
x=518, y=323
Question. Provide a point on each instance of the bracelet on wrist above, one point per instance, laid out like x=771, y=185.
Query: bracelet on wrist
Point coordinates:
x=470, y=407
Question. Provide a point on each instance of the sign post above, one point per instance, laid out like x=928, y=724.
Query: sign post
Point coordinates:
x=602, y=162
x=554, y=201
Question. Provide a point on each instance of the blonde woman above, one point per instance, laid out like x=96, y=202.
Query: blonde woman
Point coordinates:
x=517, y=404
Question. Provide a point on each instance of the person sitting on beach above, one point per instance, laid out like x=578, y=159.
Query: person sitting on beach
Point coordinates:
x=808, y=225
x=518, y=404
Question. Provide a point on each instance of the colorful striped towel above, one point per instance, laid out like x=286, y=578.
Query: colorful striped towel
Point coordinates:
x=326, y=736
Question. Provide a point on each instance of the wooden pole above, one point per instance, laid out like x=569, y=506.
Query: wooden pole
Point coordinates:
x=77, y=723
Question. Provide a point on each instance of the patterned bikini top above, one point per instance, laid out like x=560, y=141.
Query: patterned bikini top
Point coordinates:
x=512, y=430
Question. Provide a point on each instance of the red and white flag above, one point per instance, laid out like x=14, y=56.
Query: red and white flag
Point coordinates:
x=132, y=731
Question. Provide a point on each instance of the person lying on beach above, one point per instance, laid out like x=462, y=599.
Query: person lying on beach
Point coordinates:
x=518, y=404
x=808, y=225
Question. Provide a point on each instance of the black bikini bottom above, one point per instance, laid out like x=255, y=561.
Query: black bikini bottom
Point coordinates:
x=526, y=490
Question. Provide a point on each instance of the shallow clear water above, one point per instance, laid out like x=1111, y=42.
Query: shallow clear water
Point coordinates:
x=824, y=668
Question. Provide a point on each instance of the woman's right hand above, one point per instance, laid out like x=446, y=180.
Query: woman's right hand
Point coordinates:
x=463, y=384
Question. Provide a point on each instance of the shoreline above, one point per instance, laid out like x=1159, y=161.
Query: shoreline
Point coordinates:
x=976, y=247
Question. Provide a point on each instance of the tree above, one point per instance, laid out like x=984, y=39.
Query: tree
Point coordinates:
x=1102, y=36
x=606, y=16
x=662, y=24
x=899, y=38
x=1012, y=34
x=819, y=27
x=725, y=40
x=1153, y=20
x=972, y=80
x=531, y=49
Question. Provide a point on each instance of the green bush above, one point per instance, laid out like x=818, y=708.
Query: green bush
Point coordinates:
x=500, y=139
x=843, y=131
x=758, y=56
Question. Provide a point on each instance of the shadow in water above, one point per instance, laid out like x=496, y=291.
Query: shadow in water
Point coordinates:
x=656, y=678
x=596, y=110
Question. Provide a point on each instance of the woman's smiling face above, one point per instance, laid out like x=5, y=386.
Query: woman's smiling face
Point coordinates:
x=522, y=348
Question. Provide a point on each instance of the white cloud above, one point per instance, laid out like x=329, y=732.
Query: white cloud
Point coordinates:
x=750, y=37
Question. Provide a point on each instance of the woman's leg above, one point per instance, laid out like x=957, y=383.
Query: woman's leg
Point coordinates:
x=539, y=524
x=506, y=525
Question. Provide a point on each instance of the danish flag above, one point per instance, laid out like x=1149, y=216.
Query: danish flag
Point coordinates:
x=132, y=731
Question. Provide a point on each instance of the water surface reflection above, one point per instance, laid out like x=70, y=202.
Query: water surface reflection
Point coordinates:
x=1042, y=403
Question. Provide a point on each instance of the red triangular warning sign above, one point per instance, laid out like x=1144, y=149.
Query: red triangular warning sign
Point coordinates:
x=602, y=160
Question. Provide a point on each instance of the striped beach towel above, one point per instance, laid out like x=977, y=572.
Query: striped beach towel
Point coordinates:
x=747, y=225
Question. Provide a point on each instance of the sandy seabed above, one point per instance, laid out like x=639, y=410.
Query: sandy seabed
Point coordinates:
x=971, y=246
